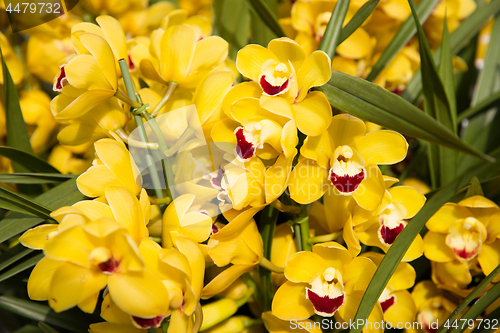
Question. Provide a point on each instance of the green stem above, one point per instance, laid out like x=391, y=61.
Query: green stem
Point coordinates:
x=170, y=90
x=298, y=236
x=132, y=101
x=325, y=238
x=267, y=264
x=140, y=126
x=267, y=225
x=304, y=230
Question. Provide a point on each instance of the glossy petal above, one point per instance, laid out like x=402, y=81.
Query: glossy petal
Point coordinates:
x=209, y=52
x=382, y=147
x=313, y=114
x=37, y=237
x=371, y=190
x=41, y=275
x=303, y=266
x=408, y=197
x=71, y=245
x=345, y=128
x=93, y=181
x=357, y=274
x=489, y=258
x=453, y=273
x=286, y=49
x=435, y=248
x=101, y=51
x=84, y=103
x=334, y=254
x=445, y=216
x=250, y=59
x=177, y=51
x=115, y=36
x=403, y=311
x=83, y=72
x=290, y=302
x=208, y=96
x=224, y=280
x=314, y=72
x=308, y=182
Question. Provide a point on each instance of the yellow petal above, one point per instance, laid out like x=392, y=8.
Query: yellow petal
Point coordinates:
x=41, y=275
x=313, y=114
x=415, y=250
x=224, y=280
x=127, y=211
x=209, y=52
x=350, y=236
x=303, y=266
x=408, y=197
x=453, y=273
x=36, y=238
x=71, y=245
x=382, y=147
x=435, y=247
x=94, y=210
x=477, y=201
x=115, y=36
x=314, y=72
x=139, y=294
x=209, y=94
x=177, y=50
x=93, y=181
x=445, y=216
x=250, y=59
x=277, y=105
x=113, y=328
x=72, y=284
x=358, y=45
x=275, y=325
x=286, y=49
x=83, y=103
x=101, y=51
x=371, y=190
x=308, y=182
x=319, y=148
x=242, y=90
x=334, y=254
x=357, y=274
x=489, y=258
x=290, y=302
x=83, y=72
x=403, y=311
x=345, y=129
x=196, y=260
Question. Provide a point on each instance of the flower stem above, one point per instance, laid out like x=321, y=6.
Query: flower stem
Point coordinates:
x=170, y=90
x=325, y=238
x=301, y=231
x=132, y=101
x=268, y=220
x=140, y=125
x=267, y=264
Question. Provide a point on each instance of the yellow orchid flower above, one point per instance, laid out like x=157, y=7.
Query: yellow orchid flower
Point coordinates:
x=12, y=61
x=243, y=249
x=396, y=302
x=113, y=166
x=327, y=281
x=176, y=56
x=36, y=113
x=417, y=184
x=71, y=159
x=109, y=115
x=284, y=246
x=275, y=325
x=284, y=75
x=344, y=160
x=381, y=226
x=143, y=22
x=463, y=240
x=433, y=307
x=200, y=24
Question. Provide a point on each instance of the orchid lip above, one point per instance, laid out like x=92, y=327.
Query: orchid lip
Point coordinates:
x=388, y=303
x=464, y=254
x=271, y=90
x=110, y=266
x=244, y=149
x=388, y=235
x=324, y=305
x=148, y=322
x=347, y=184
x=61, y=80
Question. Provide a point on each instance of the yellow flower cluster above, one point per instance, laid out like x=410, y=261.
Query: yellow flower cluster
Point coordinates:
x=194, y=164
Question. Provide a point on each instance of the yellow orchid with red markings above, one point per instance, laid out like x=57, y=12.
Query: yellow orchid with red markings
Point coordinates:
x=463, y=240
x=327, y=281
x=344, y=160
x=284, y=74
x=397, y=304
x=381, y=226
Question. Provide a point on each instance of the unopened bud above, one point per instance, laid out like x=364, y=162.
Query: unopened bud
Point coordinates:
x=218, y=311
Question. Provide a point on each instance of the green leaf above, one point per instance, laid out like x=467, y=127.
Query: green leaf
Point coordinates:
x=358, y=19
x=12, y=201
x=267, y=17
x=459, y=38
x=17, y=134
x=34, y=178
x=62, y=195
x=478, y=308
x=491, y=188
x=466, y=301
x=370, y=102
x=233, y=23
x=37, y=311
x=27, y=160
x=333, y=30
x=402, y=243
x=21, y=267
x=7, y=258
x=474, y=188
x=447, y=76
x=480, y=107
x=494, y=315
x=28, y=329
x=403, y=36
x=46, y=328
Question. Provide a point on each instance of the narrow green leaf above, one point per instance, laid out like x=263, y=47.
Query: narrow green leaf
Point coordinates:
x=333, y=30
x=17, y=134
x=474, y=188
x=459, y=38
x=62, y=195
x=467, y=300
x=370, y=102
x=403, y=36
x=12, y=201
x=402, y=243
x=494, y=315
x=28, y=329
x=478, y=308
x=46, y=328
x=267, y=16
x=34, y=178
x=480, y=107
x=447, y=76
x=21, y=267
x=6, y=259
x=358, y=19
x=491, y=188
x=27, y=160
x=36, y=311
x=233, y=23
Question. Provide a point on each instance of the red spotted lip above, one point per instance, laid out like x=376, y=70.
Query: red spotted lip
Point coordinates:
x=148, y=322
x=244, y=149
x=464, y=254
x=346, y=183
x=389, y=235
x=324, y=305
x=271, y=90
x=61, y=80
x=110, y=266
x=388, y=303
